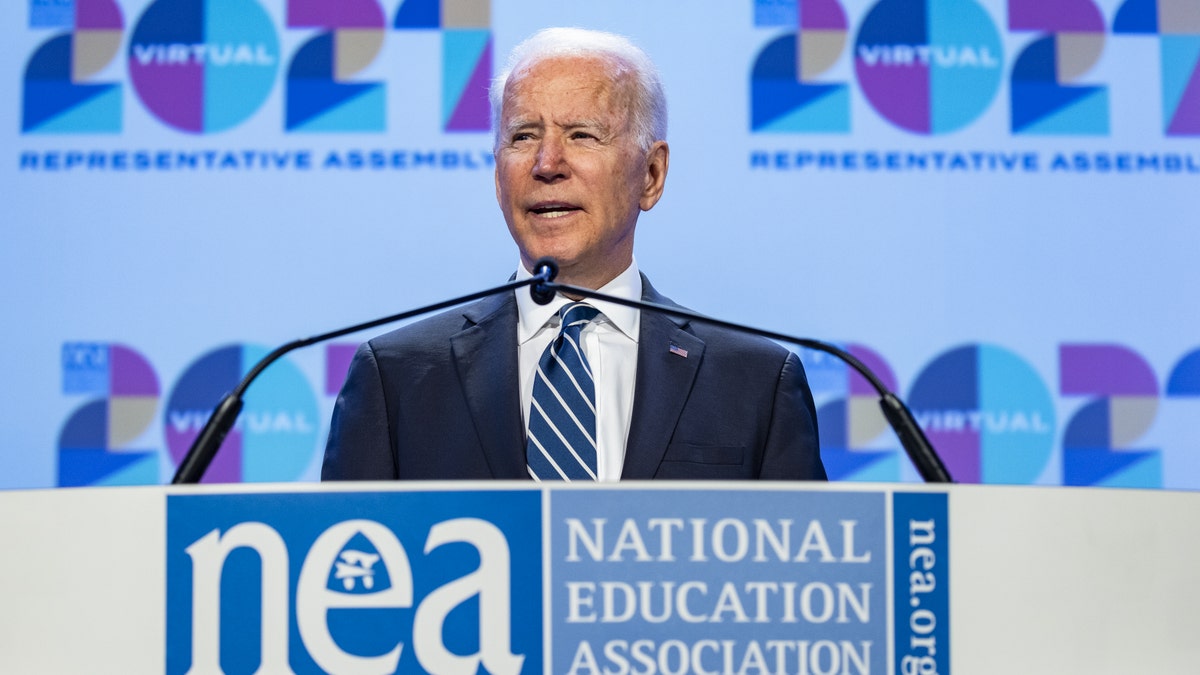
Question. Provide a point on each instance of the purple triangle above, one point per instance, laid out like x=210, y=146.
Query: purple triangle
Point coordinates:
x=473, y=112
x=1186, y=121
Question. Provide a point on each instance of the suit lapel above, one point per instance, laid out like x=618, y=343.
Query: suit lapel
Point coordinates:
x=485, y=353
x=664, y=381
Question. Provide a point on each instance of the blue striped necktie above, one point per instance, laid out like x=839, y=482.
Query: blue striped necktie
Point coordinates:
x=562, y=413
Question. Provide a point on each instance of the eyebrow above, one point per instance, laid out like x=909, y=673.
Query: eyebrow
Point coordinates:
x=589, y=123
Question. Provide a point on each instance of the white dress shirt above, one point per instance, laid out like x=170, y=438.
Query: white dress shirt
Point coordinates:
x=610, y=344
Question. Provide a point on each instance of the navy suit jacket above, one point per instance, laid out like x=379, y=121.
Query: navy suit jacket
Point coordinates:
x=439, y=399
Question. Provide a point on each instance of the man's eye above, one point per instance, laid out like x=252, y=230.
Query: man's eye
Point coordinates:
x=582, y=135
x=521, y=137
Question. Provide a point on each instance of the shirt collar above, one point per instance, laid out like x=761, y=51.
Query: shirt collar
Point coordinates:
x=628, y=284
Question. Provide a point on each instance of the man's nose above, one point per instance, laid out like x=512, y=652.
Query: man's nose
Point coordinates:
x=551, y=163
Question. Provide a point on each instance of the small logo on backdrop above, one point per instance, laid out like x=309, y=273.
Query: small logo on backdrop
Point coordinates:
x=101, y=442
x=275, y=438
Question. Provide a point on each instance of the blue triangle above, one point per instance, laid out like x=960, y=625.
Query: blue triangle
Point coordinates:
x=1093, y=466
x=99, y=114
x=79, y=467
x=1048, y=108
x=828, y=114
x=1087, y=116
x=142, y=472
x=47, y=99
x=308, y=100
x=774, y=100
x=1145, y=473
x=843, y=464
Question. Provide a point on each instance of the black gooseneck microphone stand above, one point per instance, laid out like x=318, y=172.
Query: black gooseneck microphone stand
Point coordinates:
x=543, y=289
x=899, y=417
x=205, y=447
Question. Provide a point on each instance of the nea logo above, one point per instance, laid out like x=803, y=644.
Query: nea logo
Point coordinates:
x=354, y=583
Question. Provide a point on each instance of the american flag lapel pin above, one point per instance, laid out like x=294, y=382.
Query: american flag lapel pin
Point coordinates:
x=677, y=350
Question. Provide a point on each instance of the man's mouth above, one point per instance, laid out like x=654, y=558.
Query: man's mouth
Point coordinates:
x=555, y=210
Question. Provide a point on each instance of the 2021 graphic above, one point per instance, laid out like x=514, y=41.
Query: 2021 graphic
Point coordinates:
x=208, y=66
x=933, y=67
x=992, y=416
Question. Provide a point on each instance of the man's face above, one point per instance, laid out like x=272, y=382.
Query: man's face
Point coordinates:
x=570, y=178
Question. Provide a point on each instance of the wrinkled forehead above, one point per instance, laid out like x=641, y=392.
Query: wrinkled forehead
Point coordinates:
x=596, y=76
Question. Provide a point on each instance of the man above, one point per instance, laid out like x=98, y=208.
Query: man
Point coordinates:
x=506, y=388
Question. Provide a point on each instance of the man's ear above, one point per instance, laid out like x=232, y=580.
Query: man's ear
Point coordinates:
x=658, y=159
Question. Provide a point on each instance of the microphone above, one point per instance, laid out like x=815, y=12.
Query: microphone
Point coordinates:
x=223, y=417
x=547, y=269
x=898, y=416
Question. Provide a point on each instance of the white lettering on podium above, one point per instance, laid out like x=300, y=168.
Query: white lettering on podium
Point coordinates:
x=727, y=540
x=314, y=600
x=208, y=555
x=490, y=582
x=723, y=657
x=922, y=579
x=752, y=602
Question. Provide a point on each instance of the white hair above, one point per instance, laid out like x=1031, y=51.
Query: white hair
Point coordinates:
x=648, y=115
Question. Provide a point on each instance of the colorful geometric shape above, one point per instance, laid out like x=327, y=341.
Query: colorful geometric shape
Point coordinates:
x=1184, y=379
x=929, y=66
x=781, y=101
x=988, y=414
x=203, y=66
x=317, y=98
x=94, y=446
x=276, y=434
x=1055, y=16
x=466, y=14
x=850, y=421
x=1098, y=442
x=418, y=15
x=56, y=95
x=355, y=49
x=1181, y=84
x=466, y=76
x=1042, y=102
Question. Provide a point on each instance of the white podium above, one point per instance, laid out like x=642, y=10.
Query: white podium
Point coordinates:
x=626, y=578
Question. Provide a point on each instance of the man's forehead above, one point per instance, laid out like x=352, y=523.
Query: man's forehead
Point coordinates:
x=582, y=73
x=575, y=89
